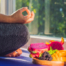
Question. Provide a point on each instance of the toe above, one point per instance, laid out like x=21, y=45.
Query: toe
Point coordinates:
x=19, y=51
x=14, y=54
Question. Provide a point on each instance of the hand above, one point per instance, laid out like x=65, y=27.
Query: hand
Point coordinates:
x=18, y=17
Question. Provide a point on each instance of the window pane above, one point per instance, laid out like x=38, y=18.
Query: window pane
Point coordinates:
x=50, y=16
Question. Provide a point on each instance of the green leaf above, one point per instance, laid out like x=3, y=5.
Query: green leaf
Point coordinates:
x=51, y=51
x=40, y=55
x=34, y=52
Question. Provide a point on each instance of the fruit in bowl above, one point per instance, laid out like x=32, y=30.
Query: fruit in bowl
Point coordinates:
x=52, y=53
x=37, y=49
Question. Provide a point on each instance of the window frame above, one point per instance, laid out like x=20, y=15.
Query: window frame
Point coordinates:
x=8, y=6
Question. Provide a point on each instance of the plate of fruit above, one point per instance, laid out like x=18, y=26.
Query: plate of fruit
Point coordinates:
x=52, y=54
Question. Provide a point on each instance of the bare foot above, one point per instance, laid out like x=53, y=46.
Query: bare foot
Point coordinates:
x=16, y=53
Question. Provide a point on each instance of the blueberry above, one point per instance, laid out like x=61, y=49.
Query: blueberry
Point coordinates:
x=46, y=56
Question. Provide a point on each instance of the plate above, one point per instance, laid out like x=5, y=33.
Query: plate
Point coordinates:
x=50, y=63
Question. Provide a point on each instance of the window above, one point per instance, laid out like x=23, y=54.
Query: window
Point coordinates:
x=50, y=16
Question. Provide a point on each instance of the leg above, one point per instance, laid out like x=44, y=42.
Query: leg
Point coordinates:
x=12, y=37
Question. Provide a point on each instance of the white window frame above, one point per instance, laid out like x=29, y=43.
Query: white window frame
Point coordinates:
x=7, y=6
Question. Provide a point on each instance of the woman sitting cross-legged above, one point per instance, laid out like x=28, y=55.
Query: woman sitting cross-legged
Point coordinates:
x=13, y=33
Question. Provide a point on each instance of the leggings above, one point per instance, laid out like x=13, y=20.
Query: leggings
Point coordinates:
x=12, y=37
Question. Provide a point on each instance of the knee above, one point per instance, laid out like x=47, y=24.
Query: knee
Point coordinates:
x=16, y=30
x=24, y=33
x=21, y=31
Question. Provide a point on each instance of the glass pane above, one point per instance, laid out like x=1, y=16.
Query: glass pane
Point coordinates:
x=50, y=17
x=58, y=17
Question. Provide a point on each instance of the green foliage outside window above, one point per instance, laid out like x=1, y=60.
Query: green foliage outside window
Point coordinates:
x=57, y=15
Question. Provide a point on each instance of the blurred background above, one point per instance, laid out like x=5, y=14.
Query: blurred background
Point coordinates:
x=50, y=15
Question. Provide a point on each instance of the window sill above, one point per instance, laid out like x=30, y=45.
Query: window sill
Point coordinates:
x=46, y=37
x=42, y=39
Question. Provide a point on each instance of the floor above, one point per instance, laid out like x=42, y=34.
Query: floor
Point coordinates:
x=22, y=60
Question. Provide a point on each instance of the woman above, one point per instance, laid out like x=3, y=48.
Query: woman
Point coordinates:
x=13, y=32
